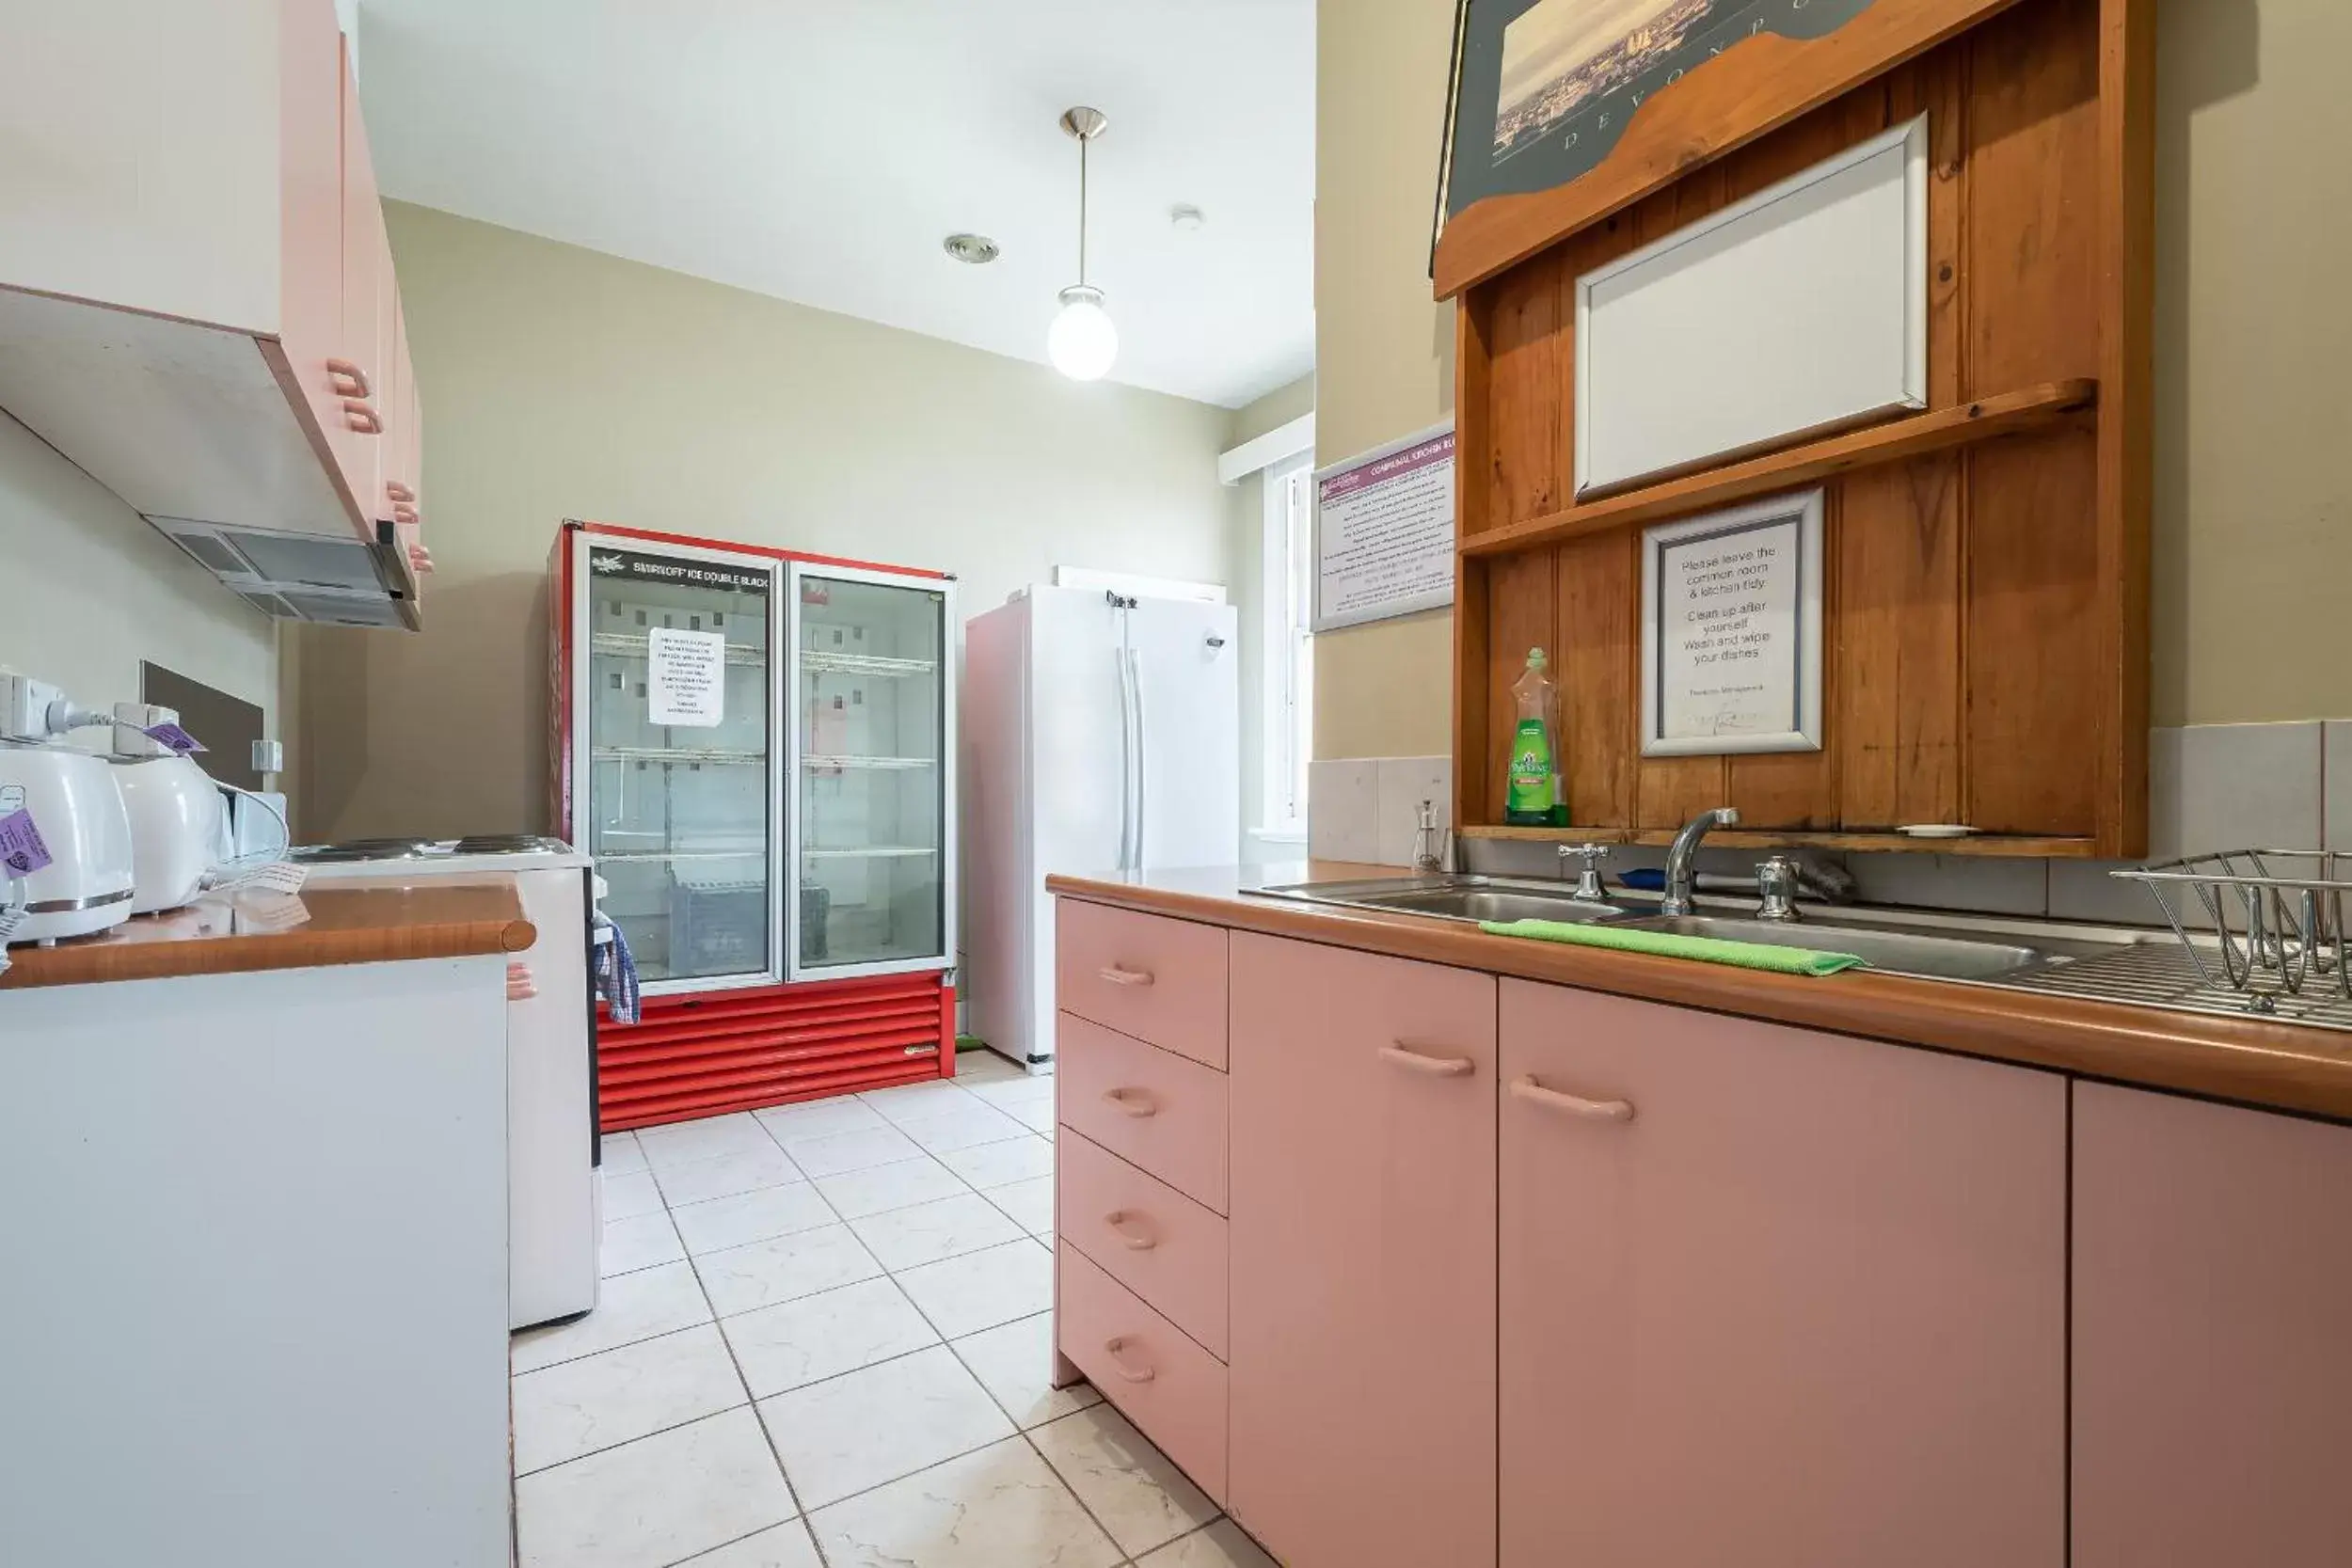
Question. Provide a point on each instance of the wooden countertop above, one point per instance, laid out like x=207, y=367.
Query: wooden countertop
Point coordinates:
x=2275, y=1065
x=253, y=930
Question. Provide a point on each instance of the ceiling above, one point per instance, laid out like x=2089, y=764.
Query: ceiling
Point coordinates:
x=819, y=150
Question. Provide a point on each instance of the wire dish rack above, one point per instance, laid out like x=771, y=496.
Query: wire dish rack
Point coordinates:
x=2273, y=927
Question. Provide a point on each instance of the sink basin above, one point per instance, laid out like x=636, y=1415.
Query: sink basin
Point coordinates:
x=1898, y=952
x=1470, y=898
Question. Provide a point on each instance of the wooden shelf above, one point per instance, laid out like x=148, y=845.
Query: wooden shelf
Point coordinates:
x=2050, y=405
x=1732, y=838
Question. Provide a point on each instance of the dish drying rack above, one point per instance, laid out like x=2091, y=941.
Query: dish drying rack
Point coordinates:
x=2277, y=919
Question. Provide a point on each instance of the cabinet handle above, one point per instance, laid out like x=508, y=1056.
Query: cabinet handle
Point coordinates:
x=349, y=379
x=360, y=417
x=1113, y=1348
x=1437, y=1066
x=1138, y=1239
x=1575, y=1104
x=399, y=494
x=520, y=986
x=405, y=516
x=420, y=560
x=1119, y=975
x=1135, y=1102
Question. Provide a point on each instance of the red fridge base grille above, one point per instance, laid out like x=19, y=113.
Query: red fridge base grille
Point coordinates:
x=705, y=1055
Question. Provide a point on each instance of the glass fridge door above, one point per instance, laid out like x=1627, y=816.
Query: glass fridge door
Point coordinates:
x=679, y=715
x=872, y=812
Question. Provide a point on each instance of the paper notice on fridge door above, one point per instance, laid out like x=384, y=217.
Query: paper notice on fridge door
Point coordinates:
x=686, y=677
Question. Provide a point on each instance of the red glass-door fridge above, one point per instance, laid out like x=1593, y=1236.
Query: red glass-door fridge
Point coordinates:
x=758, y=747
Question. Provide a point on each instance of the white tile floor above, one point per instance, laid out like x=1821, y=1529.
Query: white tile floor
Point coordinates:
x=825, y=1341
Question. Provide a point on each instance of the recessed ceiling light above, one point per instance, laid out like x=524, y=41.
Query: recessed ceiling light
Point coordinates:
x=979, y=249
x=1185, y=216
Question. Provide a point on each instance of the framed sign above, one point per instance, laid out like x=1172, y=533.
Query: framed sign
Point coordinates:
x=1542, y=89
x=1384, y=532
x=1731, y=630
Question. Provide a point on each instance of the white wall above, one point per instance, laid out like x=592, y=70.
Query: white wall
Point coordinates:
x=562, y=382
x=88, y=589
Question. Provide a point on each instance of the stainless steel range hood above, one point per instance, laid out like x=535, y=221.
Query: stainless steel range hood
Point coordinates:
x=304, y=577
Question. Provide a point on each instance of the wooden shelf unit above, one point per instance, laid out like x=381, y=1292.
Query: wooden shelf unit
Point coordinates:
x=1986, y=560
x=1732, y=838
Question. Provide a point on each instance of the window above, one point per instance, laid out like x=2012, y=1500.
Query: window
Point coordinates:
x=1290, y=649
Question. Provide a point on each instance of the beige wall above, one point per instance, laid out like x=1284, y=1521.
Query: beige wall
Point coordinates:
x=562, y=382
x=1247, y=531
x=90, y=589
x=2253, y=510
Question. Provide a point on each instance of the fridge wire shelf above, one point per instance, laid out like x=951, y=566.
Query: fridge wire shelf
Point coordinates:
x=637, y=645
x=2276, y=917
x=815, y=661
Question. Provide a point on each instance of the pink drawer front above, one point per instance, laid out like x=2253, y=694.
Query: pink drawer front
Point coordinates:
x=1172, y=1389
x=1145, y=1234
x=1150, y=1107
x=1143, y=975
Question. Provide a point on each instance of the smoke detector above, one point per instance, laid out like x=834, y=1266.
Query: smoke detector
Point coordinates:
x=1185, y=216
x=978, y=249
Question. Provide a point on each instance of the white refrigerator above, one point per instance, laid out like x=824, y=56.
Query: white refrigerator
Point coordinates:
x=1102, y=732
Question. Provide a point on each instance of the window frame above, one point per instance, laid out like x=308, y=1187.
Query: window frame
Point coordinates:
x=1286, y=587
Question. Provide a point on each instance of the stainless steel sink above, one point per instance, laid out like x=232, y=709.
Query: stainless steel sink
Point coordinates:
x=1898, y=952
x=1887, y=945
x=1454, y=897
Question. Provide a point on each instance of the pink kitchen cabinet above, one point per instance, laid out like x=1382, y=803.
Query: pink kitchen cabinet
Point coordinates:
x=362, y=435
x=1769, y=1297
x=2213, y=1335
x=1363, y=1238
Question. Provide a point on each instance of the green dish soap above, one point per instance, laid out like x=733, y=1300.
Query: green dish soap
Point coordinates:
x=1535, y=798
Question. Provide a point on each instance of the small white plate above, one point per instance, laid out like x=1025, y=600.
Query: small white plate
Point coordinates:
x=1935, y=830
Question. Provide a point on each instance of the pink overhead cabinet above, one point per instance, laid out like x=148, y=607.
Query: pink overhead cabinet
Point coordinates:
x=1363, y=1238
x=198, y=310
x=2213, y=1361
x=1772, y=1297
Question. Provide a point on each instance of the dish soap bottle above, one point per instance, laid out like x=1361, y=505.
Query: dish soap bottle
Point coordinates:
x=1534, y=799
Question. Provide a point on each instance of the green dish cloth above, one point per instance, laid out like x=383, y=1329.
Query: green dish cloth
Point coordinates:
x=1667, y=944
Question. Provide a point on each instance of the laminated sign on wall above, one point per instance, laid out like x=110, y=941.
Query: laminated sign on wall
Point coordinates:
x=1384, y=532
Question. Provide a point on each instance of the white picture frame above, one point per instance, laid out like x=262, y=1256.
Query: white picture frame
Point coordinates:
x=1798, y=311
x=1736, y=590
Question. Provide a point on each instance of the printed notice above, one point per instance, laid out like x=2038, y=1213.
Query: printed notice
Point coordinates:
x=1731, y=643
x=1383, y=532
x=686, y=677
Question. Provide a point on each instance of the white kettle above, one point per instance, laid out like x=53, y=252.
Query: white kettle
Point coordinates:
x=176, y=828
x=88, y=885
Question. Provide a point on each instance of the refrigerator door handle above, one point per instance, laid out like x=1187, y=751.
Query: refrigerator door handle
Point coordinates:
x=1134, y=680
x=1126, y=763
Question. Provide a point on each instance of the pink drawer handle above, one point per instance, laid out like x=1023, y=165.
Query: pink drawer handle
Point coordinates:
x=362, y=419
x=349, y=379
x=1119, y=974
x=1134, y=1102
x=1575, y=1104
x=1113, y=1348
x=520, y=986
x=395, y=491
x=1137, y=1238
x=1437, y=1066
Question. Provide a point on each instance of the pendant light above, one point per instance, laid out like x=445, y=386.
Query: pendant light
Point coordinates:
x=1082, y=341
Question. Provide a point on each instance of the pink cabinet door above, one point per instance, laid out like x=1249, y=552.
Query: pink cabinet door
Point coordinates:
x=2213, y=1335
x=1772, y=1297
x=366, y=284
x=1363, y=1236
x=310, y=228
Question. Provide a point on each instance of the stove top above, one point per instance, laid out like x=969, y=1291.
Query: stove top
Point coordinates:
x=371, y=849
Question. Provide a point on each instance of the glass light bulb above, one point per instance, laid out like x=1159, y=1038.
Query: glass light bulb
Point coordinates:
x=1082, y=342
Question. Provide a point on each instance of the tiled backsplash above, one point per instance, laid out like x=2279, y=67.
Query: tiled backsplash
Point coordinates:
x=2210, y=786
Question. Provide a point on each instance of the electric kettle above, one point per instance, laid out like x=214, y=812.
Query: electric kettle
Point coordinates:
x=176, y=825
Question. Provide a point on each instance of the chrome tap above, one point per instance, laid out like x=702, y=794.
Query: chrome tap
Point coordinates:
x=1777, y=881
x=1686, y=848
x=1588, y=887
